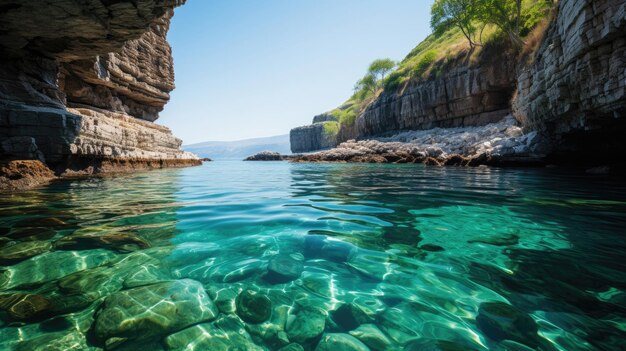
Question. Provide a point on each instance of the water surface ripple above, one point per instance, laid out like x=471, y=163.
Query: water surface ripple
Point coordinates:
x=261, y=256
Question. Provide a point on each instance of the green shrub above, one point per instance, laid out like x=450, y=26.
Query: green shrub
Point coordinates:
x=348, y=116
x=394, y=81
x=331, y=129
x=532, y=13
x=424, y=63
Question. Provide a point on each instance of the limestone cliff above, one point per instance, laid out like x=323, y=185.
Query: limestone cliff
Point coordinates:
x=321, y=134
x=573, y=91
x=107, y=60
x=465, y=94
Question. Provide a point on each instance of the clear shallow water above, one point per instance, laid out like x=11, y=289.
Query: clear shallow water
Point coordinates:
x=413, y=257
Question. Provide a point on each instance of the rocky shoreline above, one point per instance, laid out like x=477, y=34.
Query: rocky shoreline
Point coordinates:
x=567, y=84
x=501, y=143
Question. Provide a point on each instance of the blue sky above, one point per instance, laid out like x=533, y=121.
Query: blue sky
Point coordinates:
x=254, y=68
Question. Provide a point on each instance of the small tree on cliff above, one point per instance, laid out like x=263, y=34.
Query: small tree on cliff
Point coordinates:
x=366, y=85
x=505, y=14
x=373, y=81
x=379, y=69
x=462, y=14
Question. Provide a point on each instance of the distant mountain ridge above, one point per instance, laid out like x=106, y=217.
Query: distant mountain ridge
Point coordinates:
x=240, y=148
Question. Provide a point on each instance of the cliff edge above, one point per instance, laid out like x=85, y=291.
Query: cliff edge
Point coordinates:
x=81, y=84
x=566, y=88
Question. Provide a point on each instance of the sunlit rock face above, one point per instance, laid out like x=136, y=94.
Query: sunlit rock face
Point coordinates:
x=136, y=81
x=105, y=59
x=574, y=90
x=314, y=136
x=465, y=95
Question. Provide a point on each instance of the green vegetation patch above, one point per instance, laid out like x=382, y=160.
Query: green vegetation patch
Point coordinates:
x=331, y=129
x=486, y=23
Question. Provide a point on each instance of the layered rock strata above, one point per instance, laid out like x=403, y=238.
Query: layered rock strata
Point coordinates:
x=573, y=90
x=107, y=60
x=467, y=94
x=316, y=136
x=499, y=143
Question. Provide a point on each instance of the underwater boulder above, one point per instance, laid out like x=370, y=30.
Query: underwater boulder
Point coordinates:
x=283, y=269
x=308, y=324
x=501, y=321
x=22, y=251
x=340, y=342
x=150, y=311
x=349, y=316
x=24, y=307
x=320, y=246
x=372, y=336
x=437, y=345
x=253, y=307
x=118, y=241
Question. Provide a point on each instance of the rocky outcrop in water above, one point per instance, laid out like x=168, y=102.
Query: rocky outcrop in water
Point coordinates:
x=322, y=134
x=573, y=90
x=265, y=156
x=110, y=62
x=499, y=143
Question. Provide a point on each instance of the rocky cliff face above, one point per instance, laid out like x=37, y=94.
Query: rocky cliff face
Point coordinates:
x=136, y=81
x=317, y=136
x=466, y=94
x=108, y=60
x=574, y=90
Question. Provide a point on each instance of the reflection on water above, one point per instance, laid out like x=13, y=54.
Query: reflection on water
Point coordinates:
x=264, y=256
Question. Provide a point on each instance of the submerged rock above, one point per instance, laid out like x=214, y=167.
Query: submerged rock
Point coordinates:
x=59, y=341
x=283, y=269
x=146, y=274
x=225, y=300
x=82, y=288
x=24, y=307
x=501, y=321
x=320, y=246
x=401, y=235
x=292, y=347
x=432, y=248
x=120, y=241
x=21, y=251
x=208, y=336
x=349, y=316
x=253, y=307
x=308, y=324
x=31, y=234
x=340, y=342
x=370, y=335
x=46, y=222
x=273, y=330
x=51, y=266
x=437, y=345
x=504, y=240
x=150, y=311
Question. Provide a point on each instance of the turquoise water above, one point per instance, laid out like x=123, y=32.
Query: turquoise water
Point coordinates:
x=258, y=256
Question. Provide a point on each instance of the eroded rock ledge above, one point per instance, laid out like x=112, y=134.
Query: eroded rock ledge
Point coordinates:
x=109, y=62
x=502, y=143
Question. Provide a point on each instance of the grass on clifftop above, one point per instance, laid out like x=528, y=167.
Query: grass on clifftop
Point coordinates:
x=433, y=54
